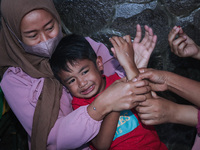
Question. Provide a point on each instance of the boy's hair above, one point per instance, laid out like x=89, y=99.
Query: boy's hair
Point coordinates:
x=70, y=49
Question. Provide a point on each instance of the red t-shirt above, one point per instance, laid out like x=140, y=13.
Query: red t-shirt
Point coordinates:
x=131, y=134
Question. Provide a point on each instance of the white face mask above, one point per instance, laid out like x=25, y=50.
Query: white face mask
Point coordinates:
x=45, y=48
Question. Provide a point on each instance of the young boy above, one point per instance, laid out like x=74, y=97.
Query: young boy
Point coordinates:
x=77, y=67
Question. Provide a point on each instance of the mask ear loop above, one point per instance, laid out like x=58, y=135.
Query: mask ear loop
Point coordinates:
x=67, y=32
x=20, y=42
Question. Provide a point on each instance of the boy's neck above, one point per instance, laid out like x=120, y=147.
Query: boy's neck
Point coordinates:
x=103, y=84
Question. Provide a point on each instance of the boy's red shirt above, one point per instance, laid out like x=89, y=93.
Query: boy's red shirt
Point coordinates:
x=141, y=137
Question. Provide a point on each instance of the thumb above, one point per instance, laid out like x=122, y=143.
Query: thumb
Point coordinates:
x=123, y=79
x=182, y=33
x=154, y=95
x=113, y=51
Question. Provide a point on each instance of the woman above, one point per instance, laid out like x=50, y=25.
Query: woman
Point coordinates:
x=30, y=31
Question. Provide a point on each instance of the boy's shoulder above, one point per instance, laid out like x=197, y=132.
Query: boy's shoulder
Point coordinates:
x=112, y=78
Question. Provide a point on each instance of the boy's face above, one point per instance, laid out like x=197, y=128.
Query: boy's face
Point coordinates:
x=85, y=79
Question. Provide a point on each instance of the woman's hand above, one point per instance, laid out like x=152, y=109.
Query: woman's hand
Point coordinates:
x=158, y=110
x=183, y=46
x=143, y=48
x=157, y=78
x=121, y=95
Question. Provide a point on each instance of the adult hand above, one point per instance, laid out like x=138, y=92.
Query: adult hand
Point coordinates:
x=156, y=110
x=157, y=78
x=183, y=46
x=143, y=48
x=121, y=95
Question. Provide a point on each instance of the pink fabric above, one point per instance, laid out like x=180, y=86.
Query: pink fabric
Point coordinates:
x=111, y=65
x=198, y=125
x=196, y=145
x=72, y=129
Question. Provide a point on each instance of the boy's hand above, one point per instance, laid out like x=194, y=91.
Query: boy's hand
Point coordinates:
x=144, y=48
x=123, y=50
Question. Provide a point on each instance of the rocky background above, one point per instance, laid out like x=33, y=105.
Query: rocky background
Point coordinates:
x=101, y=19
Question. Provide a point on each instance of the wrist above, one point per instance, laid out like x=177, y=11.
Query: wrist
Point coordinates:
x=98, y=109
x=175, y=113
x=172, y=115
x=131, y=72
x=197, y=56
x=170, y=79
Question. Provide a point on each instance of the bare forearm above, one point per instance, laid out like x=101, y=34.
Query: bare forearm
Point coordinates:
x=107, y=131
x=131, y=72
x=184, y=87
x=185, y=114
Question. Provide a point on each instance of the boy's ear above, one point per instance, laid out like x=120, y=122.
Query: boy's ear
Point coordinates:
x=99, y=63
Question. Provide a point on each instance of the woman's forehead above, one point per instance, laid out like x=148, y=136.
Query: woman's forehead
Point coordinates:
x=36, y=18
x=14, y=10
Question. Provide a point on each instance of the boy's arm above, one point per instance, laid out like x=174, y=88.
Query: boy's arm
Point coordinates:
x=107, y=131
x=123, y=51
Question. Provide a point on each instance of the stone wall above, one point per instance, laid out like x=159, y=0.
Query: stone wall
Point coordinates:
x=101, y=19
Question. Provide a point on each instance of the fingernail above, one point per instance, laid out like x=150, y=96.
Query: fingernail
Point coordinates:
x=135, y=79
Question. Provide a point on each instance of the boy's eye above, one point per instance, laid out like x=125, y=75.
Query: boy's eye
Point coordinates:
x=86, y=71
x=71, y=81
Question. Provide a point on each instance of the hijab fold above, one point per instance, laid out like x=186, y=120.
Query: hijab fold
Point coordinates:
x=13, y=55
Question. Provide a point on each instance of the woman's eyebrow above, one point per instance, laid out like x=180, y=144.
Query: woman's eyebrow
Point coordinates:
x=48, y=22
x=30, y=31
